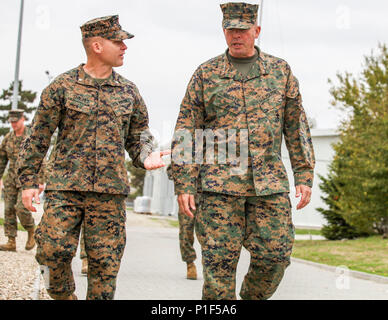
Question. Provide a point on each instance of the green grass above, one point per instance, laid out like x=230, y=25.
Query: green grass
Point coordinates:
x=362, y=254
x=20, y=227
x=308, y=231
x=172, y=223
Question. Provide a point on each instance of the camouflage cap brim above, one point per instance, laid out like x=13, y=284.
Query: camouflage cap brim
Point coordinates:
x=15, y=115
x=236, y=24
x=106, y=27
x=120, y=35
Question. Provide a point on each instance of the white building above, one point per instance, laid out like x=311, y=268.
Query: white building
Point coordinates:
x=158, y=193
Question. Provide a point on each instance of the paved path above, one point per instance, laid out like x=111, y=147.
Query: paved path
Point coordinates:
x=152, y=270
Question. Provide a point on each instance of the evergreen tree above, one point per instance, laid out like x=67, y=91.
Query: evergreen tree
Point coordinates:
x=336, y=228
x=361, y=160
x=26, y=98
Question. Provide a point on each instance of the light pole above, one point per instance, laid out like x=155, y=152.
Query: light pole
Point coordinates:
x=16, y=80
x=260, y=21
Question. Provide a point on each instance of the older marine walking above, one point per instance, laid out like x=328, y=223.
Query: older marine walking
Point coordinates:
x=242, y=103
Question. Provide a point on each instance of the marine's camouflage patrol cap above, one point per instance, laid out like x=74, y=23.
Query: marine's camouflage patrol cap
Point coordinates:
x=15, y=115
x=106, y=27
x=239, y=15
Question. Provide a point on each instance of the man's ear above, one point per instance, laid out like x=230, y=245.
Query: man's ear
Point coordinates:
x=97, y=46
x=257, y=31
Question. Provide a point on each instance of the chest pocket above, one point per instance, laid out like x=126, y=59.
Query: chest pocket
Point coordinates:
x=123, y=110
x=271, y=101
x=78, y=105
x=272, y=104
x=223, y=105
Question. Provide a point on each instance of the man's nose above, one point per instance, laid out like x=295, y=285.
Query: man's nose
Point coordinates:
x=236, y=33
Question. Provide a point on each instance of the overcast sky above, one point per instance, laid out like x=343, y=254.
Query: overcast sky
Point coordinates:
x=172, y=37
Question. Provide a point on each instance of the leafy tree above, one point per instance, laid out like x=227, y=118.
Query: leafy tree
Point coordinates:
x=26, y=98
x=137, y=179
x=361, y=160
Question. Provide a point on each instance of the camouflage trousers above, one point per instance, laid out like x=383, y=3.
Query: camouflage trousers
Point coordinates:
x=13, y=209
x=262, y=224
x=186, y=237
x=57, y=237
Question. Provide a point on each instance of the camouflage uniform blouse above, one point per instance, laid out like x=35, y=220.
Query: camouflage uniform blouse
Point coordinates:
x=256, y=110
x=9, y=150
x=96, y=124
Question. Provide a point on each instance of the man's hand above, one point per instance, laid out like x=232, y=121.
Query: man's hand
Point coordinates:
x=186, y=202
x=27, y=196
x=306, y=196
x=154, y=160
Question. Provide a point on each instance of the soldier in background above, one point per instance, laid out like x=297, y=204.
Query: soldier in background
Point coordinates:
x=186, y=239
x=99, y=114
x=13, y=206
x=248, y=99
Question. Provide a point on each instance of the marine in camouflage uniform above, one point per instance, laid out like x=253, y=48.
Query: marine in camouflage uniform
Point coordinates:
x=97, y=120
x=13, y=206
x=186, y=239
x=248, y=99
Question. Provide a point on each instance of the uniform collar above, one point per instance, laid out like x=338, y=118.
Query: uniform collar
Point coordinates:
x=84, y=79
x=259, y=68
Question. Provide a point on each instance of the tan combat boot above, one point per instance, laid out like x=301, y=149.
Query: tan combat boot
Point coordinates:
x=84, y=269
x=30, y=241
x=10, y=245
x=72, y=297
x=191, y=271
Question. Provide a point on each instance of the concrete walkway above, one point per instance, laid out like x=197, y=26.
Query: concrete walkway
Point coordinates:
x=152, y=270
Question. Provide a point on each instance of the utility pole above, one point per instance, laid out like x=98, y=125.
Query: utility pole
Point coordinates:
x=16, y=80
x=260, y=22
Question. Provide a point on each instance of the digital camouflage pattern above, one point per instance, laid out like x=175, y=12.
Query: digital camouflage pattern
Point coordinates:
x=263, y=225
x=96, y=124
x=9, y=151
x=186, y=237
x=186, y=231
x=86, y=176
x=106, y=27
x=243, y=198
x=238, y=15
x=104, y=218
x=257, y=109
x=13, y=206
x=13, y=209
